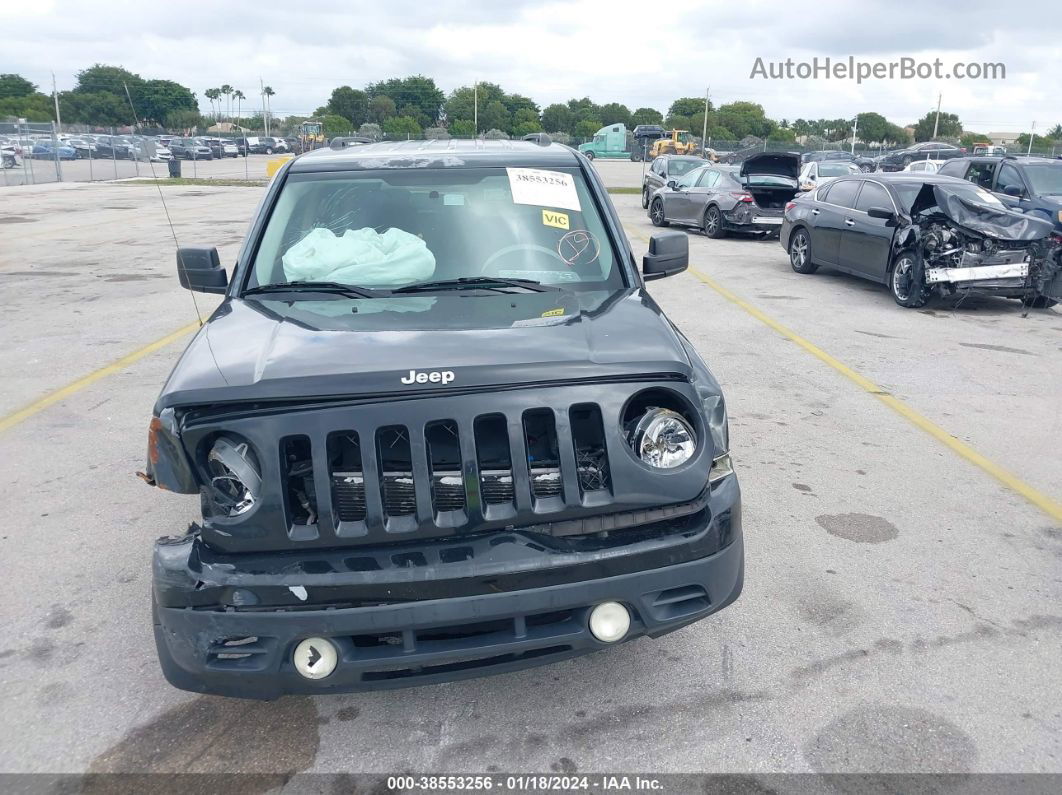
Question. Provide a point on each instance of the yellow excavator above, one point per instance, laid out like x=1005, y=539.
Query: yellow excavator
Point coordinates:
x=680, y=142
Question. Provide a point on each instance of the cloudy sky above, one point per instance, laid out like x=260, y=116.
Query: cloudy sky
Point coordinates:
x=551, y=51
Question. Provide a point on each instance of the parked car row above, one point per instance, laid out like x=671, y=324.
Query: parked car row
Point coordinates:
x=985, y=224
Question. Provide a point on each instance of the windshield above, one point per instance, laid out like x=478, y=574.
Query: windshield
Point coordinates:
x=834, y=169
x=677, y=168
x=390, y=229
x=1045, y=178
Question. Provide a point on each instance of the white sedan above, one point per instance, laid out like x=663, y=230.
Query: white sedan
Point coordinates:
x=819, y=172
x=925, y=166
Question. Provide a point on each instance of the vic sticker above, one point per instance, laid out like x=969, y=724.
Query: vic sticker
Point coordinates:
x=431, y=377
x=553, y=218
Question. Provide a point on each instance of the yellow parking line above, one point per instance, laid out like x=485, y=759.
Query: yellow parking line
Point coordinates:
x=1011, y=481
x=52, y=398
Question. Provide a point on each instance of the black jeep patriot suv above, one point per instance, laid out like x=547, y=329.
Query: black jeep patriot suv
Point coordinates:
x=438, y=428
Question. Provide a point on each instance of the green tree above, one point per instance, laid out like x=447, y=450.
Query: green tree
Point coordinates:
x=212, y=95
x=526, y=128
x=12, y=85
x=350, y=103
x=34, y=107
x=494, y=134
x=527, y=120
x=558, y=117
x=949, y=126
x=416, y=90
x=102, y=108
x=156, y=99
x=436, y=134
x=414, y=113
x=495, y=115
x=181, y=120
x=463, y=128
x=675, y=122
x=370, y=130
x=399, y=127
x=334, y=124
x=646, y=116
x=687, y=106
x=744, y=119
x=587, y=127
x=719, y=133
x=784, y=134
x=616, y=113
x=381, y=108
x=514, y=103
x=1055, y=133
x=103, y=78
x=226, y=91
x=872, y=127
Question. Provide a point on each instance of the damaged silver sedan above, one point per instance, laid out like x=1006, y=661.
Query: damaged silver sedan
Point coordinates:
x=924, y=235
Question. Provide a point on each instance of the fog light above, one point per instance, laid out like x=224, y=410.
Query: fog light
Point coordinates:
x=609, y=621
x=315, y=658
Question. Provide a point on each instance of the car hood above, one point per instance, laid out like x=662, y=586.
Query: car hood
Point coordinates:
x=779, y=164
x=980, y=218
x=263, y=348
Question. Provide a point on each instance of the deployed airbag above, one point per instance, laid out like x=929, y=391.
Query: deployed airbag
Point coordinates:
x=362, y=257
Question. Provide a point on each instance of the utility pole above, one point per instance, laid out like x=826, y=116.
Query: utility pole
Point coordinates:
x=475, y=107
x=55, y=97
x=855, y=129
x=936, y=123
x=261, y=93
x=1032, y=134
x=704, y=131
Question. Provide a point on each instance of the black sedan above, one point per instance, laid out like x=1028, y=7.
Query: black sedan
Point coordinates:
x=864, y=163
x=928, y=150
x=921, y=235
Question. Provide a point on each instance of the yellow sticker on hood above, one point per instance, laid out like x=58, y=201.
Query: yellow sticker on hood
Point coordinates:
x=554, y=312
x=553, y=218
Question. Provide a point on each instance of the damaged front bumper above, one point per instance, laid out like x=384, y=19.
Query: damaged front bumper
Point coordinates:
x=435, y=611
x=1013, y=274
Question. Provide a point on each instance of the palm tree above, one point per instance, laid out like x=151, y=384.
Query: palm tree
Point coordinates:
x=239, y=97
x=267, y=92
x=227, y=91
x=213, y=94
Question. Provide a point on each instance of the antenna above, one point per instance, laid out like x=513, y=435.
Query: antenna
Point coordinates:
x=162, y=198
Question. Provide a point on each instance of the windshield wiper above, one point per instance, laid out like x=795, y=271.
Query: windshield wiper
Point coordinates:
x=336, y=288
x=475, y=282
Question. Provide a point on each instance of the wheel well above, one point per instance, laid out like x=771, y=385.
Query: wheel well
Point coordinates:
x=895, y=257
x=796, y=228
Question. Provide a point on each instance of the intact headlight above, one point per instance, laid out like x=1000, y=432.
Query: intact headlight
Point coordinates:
x=663, y=439
x=235, y=475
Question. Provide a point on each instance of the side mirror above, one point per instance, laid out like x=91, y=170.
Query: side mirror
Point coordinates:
x=882, y=213
x=200, y=269
x=672, y=184
x=669, y=253
x=1012, y=190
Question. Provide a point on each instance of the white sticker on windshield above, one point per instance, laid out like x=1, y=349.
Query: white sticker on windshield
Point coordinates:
x=543, y=188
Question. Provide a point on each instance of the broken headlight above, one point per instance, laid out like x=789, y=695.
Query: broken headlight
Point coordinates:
x=235, y=476
x=663, y=439
x=719, y=430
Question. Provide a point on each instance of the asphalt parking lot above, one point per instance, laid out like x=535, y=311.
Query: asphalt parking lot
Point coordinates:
x=901, y=605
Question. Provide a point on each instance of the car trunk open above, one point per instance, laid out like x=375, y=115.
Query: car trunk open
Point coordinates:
x=771, y=178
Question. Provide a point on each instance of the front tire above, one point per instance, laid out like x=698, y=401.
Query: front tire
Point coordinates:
x=712, y=223
x=800, y=252
x=907, y=281
x=645, y=198
x=656, y=213
x=589, y=155
x=269, y=150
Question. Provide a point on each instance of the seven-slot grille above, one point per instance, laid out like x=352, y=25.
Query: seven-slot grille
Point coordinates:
x=393, y=459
